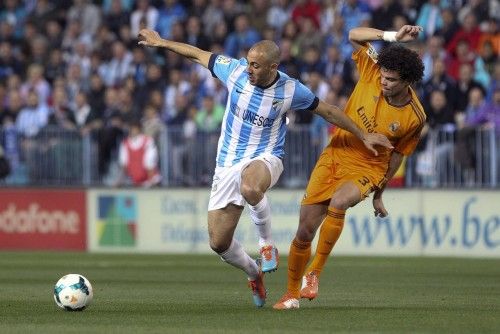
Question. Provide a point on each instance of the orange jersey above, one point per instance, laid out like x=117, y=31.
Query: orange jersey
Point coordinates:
x=369, y=109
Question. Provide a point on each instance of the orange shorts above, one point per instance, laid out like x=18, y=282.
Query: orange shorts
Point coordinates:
x=327, y=176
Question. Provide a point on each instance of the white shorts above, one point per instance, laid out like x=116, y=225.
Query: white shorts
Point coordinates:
x=227, y=180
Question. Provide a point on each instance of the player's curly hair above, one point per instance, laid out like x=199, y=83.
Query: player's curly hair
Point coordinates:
x=406, y=62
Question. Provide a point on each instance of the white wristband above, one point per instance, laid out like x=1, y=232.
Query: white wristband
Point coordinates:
x=389, y=36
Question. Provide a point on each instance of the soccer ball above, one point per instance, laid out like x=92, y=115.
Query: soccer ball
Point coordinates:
x=73, y=292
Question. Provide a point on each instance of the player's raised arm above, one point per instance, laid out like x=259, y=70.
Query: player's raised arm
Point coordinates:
x=149, y=37
x=336, y=116
x=361, y=35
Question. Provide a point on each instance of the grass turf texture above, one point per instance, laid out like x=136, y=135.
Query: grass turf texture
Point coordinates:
x=200, y=294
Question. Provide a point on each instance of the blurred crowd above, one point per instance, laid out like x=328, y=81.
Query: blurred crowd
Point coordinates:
x=76, y=65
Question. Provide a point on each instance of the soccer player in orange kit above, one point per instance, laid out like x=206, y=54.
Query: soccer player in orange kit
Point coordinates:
x=346, y=172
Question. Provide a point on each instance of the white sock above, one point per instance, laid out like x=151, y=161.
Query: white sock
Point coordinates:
x=236, y=256
x=261, y=217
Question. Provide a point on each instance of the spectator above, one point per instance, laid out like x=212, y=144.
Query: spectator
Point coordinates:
x=469, y=123
x=96, y=94
x=309, y=9
x=311, y=61
x=337, y=36
x=14, y=15
x=212, y=16
x=434, y=51
x=145, y=14
x=9, y=62
x=309, y=36
x=469, y=31
x=138, y=158
x=56, y=66
x=117, y=16
x=429, y=18
x=33, y=117
x=257, y=10
x=279, y=14
x=194, y=34
x=85, y=119
x=335, y=64
x=43, y=13
x=355, y=13
x=432, y=151
x=441, y=81
x=87, y=14
x=383, y=16
x=152, y=124
x=119, y=67
x=170, y=13
x=209, y=116
x=177, y=86
x=243, y=37
x=449, y=27
x=465, y=84
x=36, y=82
x=61, y=115
x=488, y=114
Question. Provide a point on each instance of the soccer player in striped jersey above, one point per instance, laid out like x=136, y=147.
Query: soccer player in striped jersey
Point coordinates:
x=251, y=145
x=346, y=173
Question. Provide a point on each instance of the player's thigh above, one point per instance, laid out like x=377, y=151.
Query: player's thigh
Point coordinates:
x=256, y=175
x=222, y=224
x=263, y=172
x=352, y=189
x=322, y=180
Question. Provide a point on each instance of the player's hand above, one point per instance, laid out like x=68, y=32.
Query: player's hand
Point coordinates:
x=408, y=33
x=373, y=139
x=150, y=37
x=379, y=207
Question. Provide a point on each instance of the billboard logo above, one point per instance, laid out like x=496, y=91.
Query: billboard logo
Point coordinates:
x=117, y=220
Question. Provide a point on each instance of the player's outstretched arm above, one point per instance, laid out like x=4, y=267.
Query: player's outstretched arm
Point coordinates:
x=336, y=116
x=361, y=35
x=148, y=37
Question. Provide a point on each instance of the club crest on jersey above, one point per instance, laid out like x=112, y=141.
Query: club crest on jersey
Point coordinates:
x=223, y=60
x=394, y=126
x=277, y=104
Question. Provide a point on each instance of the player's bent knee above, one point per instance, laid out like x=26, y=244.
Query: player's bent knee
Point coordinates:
x=219, y=246
x=305, y=232
x=250, y=193
x=341, y=203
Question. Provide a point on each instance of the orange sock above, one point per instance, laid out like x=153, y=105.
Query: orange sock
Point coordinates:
x=300, y=252
x=328, y=236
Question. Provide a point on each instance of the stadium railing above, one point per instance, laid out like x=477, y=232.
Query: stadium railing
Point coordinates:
x=57, y=157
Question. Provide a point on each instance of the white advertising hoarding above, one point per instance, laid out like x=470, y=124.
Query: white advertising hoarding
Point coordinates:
x=434, y=223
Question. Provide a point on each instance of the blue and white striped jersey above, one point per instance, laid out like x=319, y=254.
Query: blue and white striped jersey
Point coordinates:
x=254, y=121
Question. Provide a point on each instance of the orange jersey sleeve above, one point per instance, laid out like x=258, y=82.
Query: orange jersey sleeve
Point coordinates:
x=369, y=109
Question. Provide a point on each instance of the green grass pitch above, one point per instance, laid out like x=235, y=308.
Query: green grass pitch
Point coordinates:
x=200, y=294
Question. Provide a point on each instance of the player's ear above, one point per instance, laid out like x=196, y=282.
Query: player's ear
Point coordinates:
x=274, y=66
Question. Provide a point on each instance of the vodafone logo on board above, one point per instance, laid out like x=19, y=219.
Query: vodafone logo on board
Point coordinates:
x=51, y=219
x=36, y=219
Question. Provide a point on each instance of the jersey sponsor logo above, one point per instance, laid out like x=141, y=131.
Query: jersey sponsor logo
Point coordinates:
x=253, y=118
x=369, y=123
x=223, y=60
x=394, y=126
